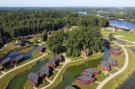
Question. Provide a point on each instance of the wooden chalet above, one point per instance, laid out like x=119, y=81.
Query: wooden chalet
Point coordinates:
x=105, y=66
x=59, y=58
x=22, y=42
x=84, y=80
x=52, y=64
x=33, y=79
x=4, y=63
x=90, y=72
x=17, y=59
x=41, y=48
x=111, y=61
x=44, y=72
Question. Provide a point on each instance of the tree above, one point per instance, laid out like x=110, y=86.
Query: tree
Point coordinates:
x=55, y=41
x=110, y=36
x=44, y=36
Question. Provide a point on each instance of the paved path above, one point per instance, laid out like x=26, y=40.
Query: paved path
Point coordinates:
x=18, y=67
x=100, y=86
x=67, y=60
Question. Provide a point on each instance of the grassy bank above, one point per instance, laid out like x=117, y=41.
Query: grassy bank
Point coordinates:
x=6, y=79
x=115, y=82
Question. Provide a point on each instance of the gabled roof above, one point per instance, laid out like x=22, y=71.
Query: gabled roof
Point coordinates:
x=45, y=70
x=4, y=61
x=13, y=54
x=112, y=61
x=52, y=62
x=57, y=57
x=89, y=70
x=19, y=57
x=85, y=78
x=33, y=76
x=104, y=63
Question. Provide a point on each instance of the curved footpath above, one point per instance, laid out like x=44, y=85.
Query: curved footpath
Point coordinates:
x=100, y=86
x=34, y=60
x=67, y=61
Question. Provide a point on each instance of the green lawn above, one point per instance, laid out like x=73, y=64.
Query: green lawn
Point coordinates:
x=126, y=35
x=115, y=82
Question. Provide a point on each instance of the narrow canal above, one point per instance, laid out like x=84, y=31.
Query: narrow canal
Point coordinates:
x=72, y=72
x=18, y=81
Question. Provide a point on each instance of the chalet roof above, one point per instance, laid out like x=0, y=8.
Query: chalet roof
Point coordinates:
x=112, y=61
x=19, y=57
x=85, y=78
x=90, y=70
x=69, y=87
x=4, y=61
x=13, y=54
x=104, y=63
x=57, y=57
x=33, y=76
x=52, y=62
x=45, y=70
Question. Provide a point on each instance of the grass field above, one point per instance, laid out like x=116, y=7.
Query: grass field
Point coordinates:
x=126, y=35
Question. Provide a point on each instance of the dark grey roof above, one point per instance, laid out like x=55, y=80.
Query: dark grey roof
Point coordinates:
x=58, y=57
x=69, y=87
x=45, y=70
x=51, y=62
x=33, y=76
x=90, y=70
x=104, y=63
x=85, y=78
x=3, y=61
x=19, y=57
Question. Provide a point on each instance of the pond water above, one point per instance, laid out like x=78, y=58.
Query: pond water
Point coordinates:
x=18, y=81
x=122, y=24
x=72, y=72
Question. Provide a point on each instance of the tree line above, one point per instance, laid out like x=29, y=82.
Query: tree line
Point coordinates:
x=20, y=23
x=73, y=42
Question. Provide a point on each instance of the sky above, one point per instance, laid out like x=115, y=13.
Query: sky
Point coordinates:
x=67, y=3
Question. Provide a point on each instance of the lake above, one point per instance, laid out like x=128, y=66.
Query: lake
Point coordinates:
x=122, y=24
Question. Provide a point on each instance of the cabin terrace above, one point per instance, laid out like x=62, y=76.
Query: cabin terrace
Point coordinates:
x=84, y=80
x=33, y=79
